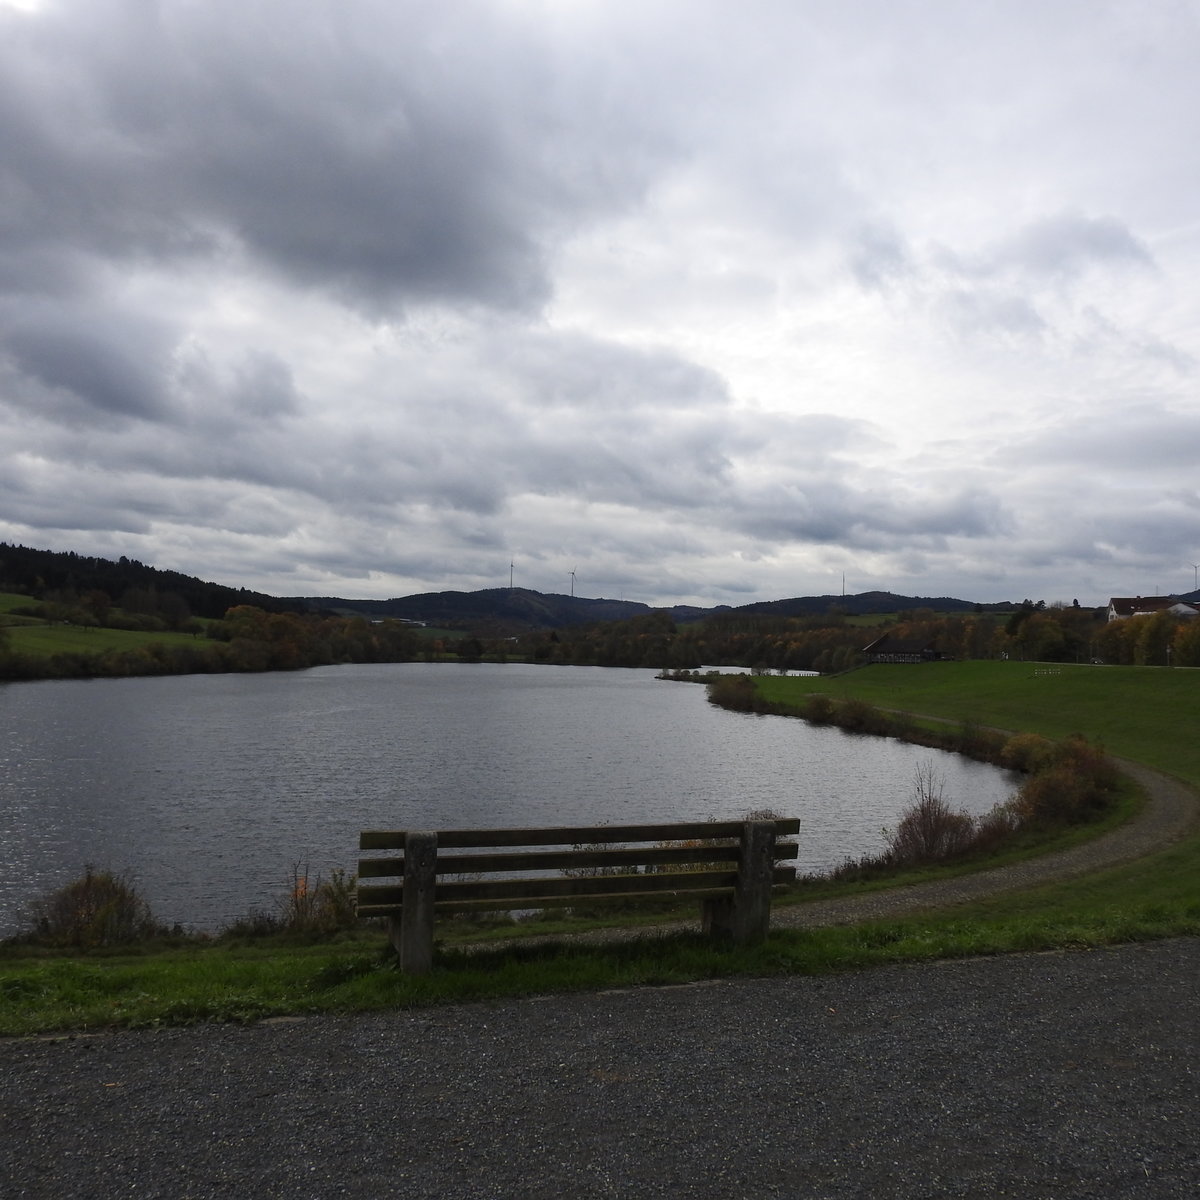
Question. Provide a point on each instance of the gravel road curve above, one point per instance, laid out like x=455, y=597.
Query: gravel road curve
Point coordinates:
x=1055, y=1075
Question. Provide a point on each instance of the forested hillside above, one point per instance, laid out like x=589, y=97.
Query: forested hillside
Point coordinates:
x=47, y=573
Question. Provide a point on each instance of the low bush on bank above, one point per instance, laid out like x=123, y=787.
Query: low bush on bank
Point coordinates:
x=100, y=909
x=1073, y=783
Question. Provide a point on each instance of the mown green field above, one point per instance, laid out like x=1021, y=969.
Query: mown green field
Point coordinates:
x=57, y=639
x=1149, y=714
x=11, y=600
x=30, y=635
x=1144, y=714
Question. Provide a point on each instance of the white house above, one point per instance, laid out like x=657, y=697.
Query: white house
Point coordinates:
x=1120, y=607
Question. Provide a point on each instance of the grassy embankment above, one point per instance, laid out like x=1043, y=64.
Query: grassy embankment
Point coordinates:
x=32, y=635
x=42, y=639
x=1142, y=714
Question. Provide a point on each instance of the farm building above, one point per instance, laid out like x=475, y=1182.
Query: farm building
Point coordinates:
x=888, y=649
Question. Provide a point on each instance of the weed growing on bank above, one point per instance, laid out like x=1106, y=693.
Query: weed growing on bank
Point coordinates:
x=103, y=910
x=311, y=907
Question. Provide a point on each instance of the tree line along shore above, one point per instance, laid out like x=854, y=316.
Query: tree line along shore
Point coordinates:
x=62, y=633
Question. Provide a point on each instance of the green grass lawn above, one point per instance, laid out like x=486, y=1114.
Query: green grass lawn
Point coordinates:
x=1149, y=715
x=45, y=640
x=32, y=635
x=13, y=600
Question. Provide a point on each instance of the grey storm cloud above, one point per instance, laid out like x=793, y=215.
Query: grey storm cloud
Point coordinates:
x=863, y=517
x=372, y=150
x=1069, y=243
x=1140, y=439
x=86, y=358
x=878, y=256
x=1059, y=247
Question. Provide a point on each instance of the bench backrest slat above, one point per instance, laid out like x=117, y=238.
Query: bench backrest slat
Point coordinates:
x=572, y=835
x=566, y=860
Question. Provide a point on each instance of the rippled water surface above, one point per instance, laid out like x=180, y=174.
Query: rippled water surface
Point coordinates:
x=208, y=788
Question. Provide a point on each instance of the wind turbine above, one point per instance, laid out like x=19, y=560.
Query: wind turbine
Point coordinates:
x=572, y=582
x=1196, y=573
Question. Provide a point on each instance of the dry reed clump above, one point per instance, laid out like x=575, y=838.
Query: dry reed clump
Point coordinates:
x=858, y=716
x=310, y=907
x=736, y=692
x=929, y=830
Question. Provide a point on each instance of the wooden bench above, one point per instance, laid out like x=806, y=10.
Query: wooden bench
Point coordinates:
x=729, y=866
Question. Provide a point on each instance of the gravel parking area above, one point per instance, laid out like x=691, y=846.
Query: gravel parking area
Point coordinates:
x=1063, y=1075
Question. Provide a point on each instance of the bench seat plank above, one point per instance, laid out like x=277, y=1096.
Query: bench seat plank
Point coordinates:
x=500, y=893
x=518, y=903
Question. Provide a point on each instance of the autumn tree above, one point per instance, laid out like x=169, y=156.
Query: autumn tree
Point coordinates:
x=1185, y=649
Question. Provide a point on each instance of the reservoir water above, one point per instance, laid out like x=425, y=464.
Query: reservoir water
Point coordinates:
x=208, y=789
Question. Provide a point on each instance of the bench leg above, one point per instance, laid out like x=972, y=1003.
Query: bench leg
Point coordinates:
x=416, y=912
x=716, y=918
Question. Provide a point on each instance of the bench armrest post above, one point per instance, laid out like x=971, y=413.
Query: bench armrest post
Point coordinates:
x=752, y=900
x=414, y=943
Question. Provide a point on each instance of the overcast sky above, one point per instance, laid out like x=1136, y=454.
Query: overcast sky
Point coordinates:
x=706, y=302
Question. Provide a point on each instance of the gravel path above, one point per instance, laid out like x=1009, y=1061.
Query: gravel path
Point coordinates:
x=1070, y=1075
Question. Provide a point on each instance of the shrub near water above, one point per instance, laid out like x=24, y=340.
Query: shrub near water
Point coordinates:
x=98, y=909
x=1070, y=782
x=929, y=831
x=1075, y=783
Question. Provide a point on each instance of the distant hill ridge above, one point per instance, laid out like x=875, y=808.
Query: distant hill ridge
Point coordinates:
x=505, y=606
x=37, y=571
x=520, y=607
